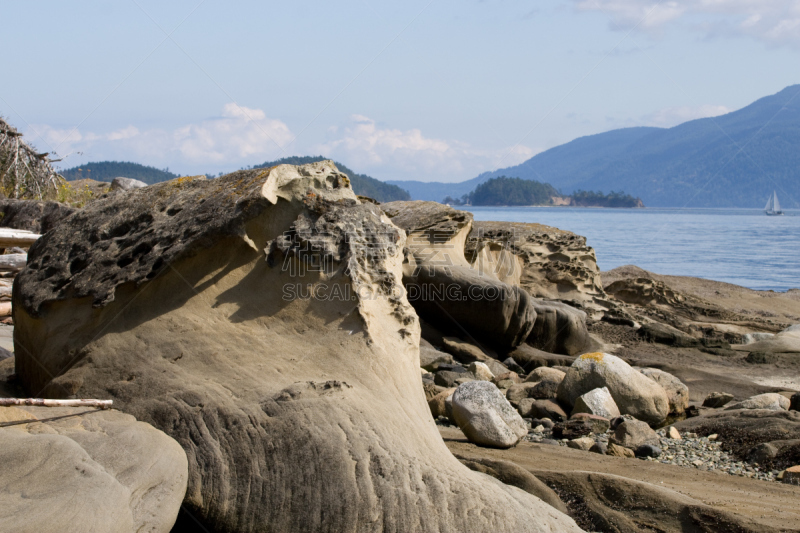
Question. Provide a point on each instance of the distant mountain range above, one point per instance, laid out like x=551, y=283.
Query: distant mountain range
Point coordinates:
x=734, y=160
x=108, y=170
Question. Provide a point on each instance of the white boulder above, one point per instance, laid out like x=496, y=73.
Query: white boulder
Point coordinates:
x=597, y=402
x=485, y=416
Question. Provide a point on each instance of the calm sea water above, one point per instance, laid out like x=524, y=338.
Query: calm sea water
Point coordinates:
x=741, y=246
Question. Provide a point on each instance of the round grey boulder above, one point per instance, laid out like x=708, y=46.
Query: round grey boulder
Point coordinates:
x=126, y=184
x=485, y=416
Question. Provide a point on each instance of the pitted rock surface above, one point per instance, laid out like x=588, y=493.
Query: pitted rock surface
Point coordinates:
x=32, y=215
x=548, y=262
x=263, y=330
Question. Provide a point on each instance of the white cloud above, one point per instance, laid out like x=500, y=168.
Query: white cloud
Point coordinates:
x=243, y=136
x=407, y=154
x=240, y=136
x=672, y=116
x=772, y=21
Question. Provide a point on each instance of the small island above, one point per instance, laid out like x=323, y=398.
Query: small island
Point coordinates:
x=505, y=191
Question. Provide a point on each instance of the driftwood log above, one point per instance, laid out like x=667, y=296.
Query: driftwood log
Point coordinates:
x=13, y=262
x=102, y=404
x=17, y=237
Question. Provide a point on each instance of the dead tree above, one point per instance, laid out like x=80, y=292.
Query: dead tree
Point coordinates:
x=24, y=173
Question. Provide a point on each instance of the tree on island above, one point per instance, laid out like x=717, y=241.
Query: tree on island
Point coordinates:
x=598, y=199
x=513, y=191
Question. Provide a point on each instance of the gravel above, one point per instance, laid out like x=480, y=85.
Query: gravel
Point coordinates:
x=691, y=451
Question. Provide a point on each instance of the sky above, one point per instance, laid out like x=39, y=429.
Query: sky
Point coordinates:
x=431, y=90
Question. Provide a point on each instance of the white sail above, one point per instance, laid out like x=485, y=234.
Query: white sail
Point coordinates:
x=768, y=207
x=776, y=206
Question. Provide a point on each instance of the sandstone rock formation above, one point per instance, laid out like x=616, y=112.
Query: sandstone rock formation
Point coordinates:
x=513, y=474
x=444, y=288
x=87, y=471
x=255, y=318
x=634, y=394
x=560, y=329
x=784, y=341
x=545, y=261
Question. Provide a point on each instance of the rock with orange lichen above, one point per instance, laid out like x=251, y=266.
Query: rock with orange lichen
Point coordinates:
x=634, y=393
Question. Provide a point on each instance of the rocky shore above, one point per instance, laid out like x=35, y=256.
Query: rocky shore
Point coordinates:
x=288, y=356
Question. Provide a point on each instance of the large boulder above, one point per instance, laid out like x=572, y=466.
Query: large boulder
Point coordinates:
x=634, y=393
x=259, y=320
x=677, y=392
x=485, y=416
x=444, y=287
x=70, y=469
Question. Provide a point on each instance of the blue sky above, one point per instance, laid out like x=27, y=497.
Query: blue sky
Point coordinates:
x=430, y=90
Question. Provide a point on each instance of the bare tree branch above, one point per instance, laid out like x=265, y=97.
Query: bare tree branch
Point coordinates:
x=25, y=173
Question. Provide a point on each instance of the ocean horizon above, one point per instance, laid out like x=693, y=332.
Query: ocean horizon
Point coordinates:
x=734, y=245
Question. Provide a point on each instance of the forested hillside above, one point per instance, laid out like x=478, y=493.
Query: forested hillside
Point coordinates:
x=108, y=170
x=512, y=191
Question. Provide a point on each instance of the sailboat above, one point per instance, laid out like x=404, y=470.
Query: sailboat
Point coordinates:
x=773, y=207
